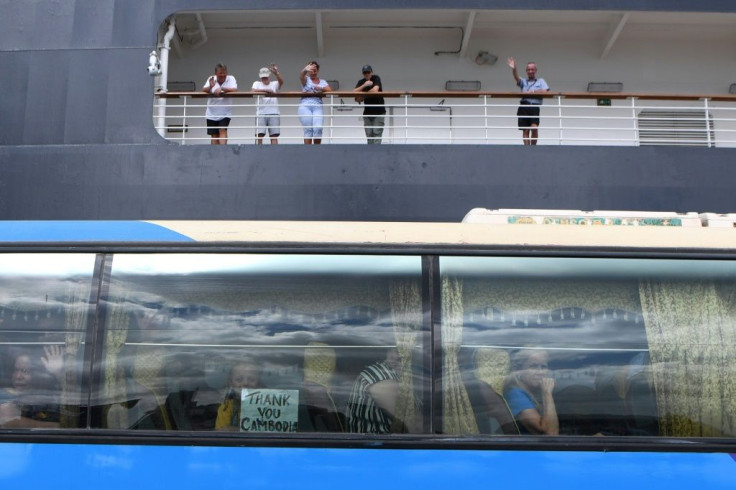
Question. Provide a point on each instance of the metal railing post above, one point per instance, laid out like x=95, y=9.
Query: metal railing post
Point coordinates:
x=485, y=115
x=559, y=117
x=633, y=119
x=451, y=134
x=184, y=122
x=707, y=125
x=406, y=119
x=155, y=113
x=390, y=123
x=332, y=107
x=161, y=116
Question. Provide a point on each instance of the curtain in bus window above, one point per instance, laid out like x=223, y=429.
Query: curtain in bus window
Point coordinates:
x=406, y=313
x=75, y=324
x=149, y=372
x=458, y=416
x=492, y=366
x=114, y=387
x=727, y=292
x=319, y=370
x=44, y=306
x=691, y=338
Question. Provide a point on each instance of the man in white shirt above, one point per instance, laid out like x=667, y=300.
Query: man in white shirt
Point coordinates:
x=268, y=115
x=219, y=107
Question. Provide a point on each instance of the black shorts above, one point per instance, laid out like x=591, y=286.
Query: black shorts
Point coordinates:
x=213, y=127
x=528, y=115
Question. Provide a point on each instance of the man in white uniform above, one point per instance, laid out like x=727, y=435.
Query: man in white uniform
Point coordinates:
x=268, y=115
x=219, y=107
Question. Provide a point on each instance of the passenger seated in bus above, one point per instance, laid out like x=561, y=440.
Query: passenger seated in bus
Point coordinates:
x=628, y=393
x=578, y=410
x=370, y=407
x=31, y=401
x=244, y=374
x=641, y=401
x=528, y=391
x=490, y=409
x=195, y=396
x=320, y=413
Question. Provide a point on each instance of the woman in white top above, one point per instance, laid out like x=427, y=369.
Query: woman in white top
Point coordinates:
x=310, y=107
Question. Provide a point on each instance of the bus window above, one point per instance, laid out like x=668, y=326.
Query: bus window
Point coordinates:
x=190, y=337
x=44, y=305
x=588, y=346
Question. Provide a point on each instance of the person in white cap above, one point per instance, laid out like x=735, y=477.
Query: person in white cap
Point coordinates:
x=268, y=115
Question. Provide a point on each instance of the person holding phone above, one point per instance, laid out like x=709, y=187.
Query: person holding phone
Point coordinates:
x=310, y=105
x=373, y=115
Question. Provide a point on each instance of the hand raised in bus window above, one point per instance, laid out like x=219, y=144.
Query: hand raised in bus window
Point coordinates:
x=53, y=360
x=528, y=391
x=26, y=403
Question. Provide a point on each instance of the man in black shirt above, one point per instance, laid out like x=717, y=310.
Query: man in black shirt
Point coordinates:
x=374, y=112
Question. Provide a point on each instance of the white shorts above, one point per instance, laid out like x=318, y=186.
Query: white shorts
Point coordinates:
x=270, y=121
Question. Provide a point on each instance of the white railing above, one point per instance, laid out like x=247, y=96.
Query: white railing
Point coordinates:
x=474, y=118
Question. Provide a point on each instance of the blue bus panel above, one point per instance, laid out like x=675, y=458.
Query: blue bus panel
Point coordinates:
x=126, y=467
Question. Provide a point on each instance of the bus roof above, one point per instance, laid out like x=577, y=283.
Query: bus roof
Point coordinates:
x=393, y=234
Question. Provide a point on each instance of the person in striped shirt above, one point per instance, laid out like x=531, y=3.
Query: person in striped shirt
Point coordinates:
x=370, y=407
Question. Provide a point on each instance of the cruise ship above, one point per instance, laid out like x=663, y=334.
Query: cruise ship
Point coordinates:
x=103, y=114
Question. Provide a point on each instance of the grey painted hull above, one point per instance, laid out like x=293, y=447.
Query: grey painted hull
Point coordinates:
x=77, y=141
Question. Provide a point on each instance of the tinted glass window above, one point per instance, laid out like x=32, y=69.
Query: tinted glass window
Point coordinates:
x=263, y=343
x=589, y=346
x=44, y=306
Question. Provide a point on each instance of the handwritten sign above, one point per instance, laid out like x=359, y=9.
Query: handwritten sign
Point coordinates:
x=269, y=410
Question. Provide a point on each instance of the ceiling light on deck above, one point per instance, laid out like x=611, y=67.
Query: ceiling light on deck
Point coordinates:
x=485, y=58
x=462, y=85
x=181, y=86
x=610, y=87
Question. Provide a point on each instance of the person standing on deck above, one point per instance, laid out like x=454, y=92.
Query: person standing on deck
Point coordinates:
x=310, y=105
x=528, y=111
x=375, y=111
x=268, y=115
x=219, y=107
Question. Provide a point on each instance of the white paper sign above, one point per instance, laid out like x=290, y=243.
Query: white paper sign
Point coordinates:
x=269, y=410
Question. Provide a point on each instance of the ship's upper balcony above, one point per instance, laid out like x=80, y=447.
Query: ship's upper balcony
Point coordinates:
x=616, y=78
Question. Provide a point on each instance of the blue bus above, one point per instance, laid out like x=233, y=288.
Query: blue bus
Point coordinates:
x=578, y=353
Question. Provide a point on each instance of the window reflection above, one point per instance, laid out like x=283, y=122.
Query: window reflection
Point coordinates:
x=179, y=327
x=44, y=305
x=632, y=347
